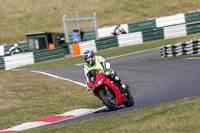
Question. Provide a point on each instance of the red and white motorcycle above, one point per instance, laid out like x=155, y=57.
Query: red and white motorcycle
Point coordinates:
x=109, y=92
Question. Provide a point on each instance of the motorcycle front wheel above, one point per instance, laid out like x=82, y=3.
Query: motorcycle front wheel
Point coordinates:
x=108, y=98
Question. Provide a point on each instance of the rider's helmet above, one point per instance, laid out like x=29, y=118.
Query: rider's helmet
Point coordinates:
x=88, y=54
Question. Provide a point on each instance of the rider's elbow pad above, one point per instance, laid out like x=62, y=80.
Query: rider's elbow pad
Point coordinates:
x=107, y=66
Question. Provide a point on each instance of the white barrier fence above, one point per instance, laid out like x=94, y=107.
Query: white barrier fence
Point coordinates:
x=170, y=20
x=1, y=50
x=175, y=31
x=88, y=45
x=18, y=60
x=130, y=39
x=108, y=31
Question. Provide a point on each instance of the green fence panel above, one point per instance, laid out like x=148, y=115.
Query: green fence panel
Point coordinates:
x=193, y=28
x=141, y=26
x=89, y=35
x=153, y=34
x=65, y=50
x=107, y=42
x=41, y=55
x=23, y=46
x=191, y=17
x=2, y=65
x=7, y=47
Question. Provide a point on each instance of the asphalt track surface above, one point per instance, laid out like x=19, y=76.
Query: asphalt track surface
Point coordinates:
x=151, y=83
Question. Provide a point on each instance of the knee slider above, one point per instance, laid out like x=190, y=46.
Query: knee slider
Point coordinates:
x=117, y=78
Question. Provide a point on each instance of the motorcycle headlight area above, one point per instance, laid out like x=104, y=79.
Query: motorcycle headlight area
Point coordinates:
x=100, y=81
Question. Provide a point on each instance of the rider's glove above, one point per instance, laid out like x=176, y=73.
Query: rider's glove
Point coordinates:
x=107, y=73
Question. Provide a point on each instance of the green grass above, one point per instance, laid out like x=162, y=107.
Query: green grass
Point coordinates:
x=174, y=117
x=27, y=96
x=115, y=51
x=27, y=16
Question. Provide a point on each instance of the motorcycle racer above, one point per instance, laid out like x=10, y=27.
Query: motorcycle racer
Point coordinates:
x=94, y=63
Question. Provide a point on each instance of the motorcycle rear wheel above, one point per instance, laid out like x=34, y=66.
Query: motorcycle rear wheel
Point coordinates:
x=105, y=98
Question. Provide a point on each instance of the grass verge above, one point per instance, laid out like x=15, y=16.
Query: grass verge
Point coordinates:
x=27, y=96
x=174, y=117
x=115, y=51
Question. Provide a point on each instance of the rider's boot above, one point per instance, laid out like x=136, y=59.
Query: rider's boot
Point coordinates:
x=124, y=89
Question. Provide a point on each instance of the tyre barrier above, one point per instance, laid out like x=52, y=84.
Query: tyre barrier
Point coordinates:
x=184, y=48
